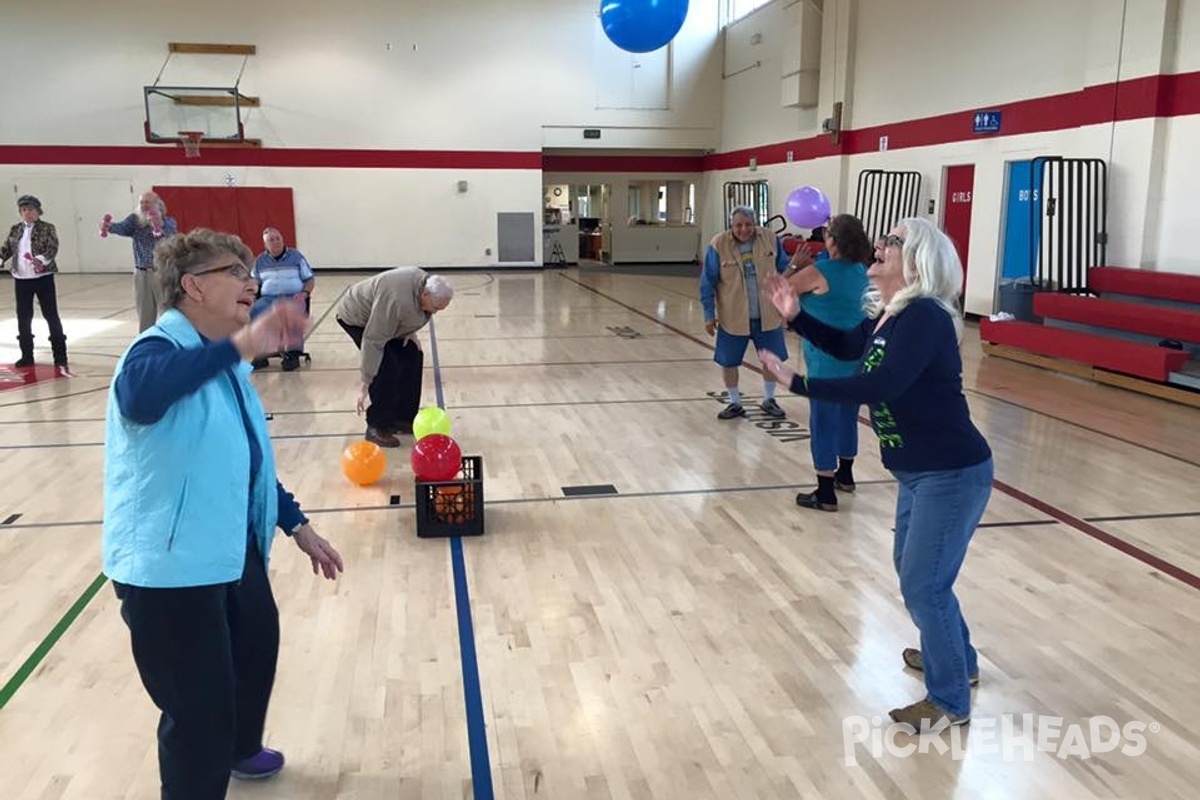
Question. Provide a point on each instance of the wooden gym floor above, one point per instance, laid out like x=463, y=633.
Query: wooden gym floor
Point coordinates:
x=694, y=635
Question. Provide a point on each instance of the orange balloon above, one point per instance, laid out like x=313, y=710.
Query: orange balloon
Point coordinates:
x=363, y=463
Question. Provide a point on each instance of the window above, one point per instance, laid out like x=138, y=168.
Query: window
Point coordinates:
x=736, y=9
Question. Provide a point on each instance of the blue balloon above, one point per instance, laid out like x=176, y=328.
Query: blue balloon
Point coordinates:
x=640, y=26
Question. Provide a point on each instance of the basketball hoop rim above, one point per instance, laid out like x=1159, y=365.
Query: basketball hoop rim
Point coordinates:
x=191, y=143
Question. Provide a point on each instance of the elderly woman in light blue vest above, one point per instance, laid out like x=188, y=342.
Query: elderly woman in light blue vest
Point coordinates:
x=833, y=290
x=191, y=503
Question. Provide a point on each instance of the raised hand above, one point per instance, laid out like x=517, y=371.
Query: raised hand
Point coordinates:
x=105, y=224
x=783, y=296
x=775, y=369
x=271, y=332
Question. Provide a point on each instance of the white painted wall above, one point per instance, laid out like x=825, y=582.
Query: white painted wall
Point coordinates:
x=1180, y=216
x=380, y=74
x=752, y=108
x=913, y=60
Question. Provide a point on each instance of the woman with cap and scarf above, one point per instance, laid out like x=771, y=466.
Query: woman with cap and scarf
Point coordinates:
x=32, y=245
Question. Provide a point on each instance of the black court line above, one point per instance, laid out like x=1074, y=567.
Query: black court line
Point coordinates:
x=1081, y=426
x=32, y=400
x=590, y=490
x=534, y=364
x=10, y=519
x=1038, y=504
x=1025, y=523
x=1140, y=517
x=545, y=338
x=481, y=406
x=509, y=501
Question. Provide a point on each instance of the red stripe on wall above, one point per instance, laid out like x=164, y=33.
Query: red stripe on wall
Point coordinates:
x=1137, y=98
x=1156, y=96
x=163, y=155
x=654, y=164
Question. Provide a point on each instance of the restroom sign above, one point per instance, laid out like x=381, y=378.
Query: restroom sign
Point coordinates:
x=987, y=122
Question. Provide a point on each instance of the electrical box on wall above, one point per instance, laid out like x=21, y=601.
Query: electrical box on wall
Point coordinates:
x=591, y=133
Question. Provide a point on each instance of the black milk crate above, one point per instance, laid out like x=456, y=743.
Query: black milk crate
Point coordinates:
x=455, y=507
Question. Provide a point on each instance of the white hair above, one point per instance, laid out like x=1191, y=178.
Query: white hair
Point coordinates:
x=931, y=269
x=745, y=211
x=440, y=290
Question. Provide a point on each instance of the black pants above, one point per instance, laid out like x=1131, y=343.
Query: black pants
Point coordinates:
x=396, y=390
x=206, y=655
x=43, y=289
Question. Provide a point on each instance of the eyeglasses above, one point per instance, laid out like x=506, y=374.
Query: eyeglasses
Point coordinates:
x=237, y=270
x=892, y=240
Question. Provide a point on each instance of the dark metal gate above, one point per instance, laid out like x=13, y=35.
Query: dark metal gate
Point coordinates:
x=756, y=194
x=1069, y=221
x=884, y=198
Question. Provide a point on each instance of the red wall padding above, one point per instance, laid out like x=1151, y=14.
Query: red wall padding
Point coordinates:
x=243, y=211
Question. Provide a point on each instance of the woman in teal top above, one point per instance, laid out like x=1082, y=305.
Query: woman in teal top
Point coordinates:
x=833, y=290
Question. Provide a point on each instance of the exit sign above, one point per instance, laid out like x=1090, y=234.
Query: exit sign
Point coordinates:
x=591, y=133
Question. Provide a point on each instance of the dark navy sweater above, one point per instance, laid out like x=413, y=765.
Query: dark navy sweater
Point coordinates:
x=910, y=374
x=157, y=373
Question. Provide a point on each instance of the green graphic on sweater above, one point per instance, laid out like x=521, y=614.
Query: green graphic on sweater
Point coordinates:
x=881, y=416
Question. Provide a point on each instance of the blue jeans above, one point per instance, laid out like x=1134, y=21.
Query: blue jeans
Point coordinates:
x=834, y=429
x=936, y=515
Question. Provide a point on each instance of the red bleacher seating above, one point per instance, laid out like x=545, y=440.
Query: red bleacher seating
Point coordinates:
x=1145, y=283
x=1152, y=320
x=1117, y=355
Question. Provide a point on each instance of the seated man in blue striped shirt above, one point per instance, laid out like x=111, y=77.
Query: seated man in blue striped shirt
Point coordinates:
x=281, y=272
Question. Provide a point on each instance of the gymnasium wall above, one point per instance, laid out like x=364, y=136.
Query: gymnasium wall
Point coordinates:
x=1079, y=78
x=374, y=116
x=383, y=106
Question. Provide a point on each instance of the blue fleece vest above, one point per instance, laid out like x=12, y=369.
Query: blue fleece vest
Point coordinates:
x=176, y=492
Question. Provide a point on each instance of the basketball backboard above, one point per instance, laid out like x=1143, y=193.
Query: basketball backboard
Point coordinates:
x=216, y=111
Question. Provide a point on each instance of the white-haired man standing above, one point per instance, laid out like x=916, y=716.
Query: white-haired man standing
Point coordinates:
x=147, y=226
x=382, y=314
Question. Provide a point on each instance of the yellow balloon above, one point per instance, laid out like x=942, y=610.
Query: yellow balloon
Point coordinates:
x=430, y=419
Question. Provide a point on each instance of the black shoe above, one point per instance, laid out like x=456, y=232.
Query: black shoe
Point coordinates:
x=291, y=362
x=24, y=361
x=259, y=363
x=771, y=407
x=732, y=410
x=381, y=438
x=811, y=500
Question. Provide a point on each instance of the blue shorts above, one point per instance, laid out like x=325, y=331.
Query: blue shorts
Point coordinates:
x=731, y=349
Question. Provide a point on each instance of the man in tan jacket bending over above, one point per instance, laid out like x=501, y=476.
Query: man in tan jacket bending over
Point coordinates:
x=382, y=314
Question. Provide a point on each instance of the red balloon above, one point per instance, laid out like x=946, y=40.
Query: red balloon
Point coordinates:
x=436, y=457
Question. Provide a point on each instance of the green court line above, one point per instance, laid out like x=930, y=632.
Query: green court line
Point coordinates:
x=39, y=653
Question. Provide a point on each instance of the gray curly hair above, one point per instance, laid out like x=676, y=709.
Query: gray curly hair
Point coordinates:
x=185, y=253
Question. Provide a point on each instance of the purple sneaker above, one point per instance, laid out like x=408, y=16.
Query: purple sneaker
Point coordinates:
x=263, y=764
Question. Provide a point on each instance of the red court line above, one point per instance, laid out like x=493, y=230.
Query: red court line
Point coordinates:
x=1091, y=530
x=1049, y=510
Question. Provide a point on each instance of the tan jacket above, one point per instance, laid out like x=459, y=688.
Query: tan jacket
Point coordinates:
x=386, y=306
x=733, y=304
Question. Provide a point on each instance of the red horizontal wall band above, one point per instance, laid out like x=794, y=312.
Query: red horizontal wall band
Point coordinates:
x=1155, y=96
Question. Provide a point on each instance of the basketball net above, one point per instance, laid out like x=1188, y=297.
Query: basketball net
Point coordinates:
x=191, y=143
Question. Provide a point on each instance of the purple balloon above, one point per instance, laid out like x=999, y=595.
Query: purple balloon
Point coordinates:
x=807, y=207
